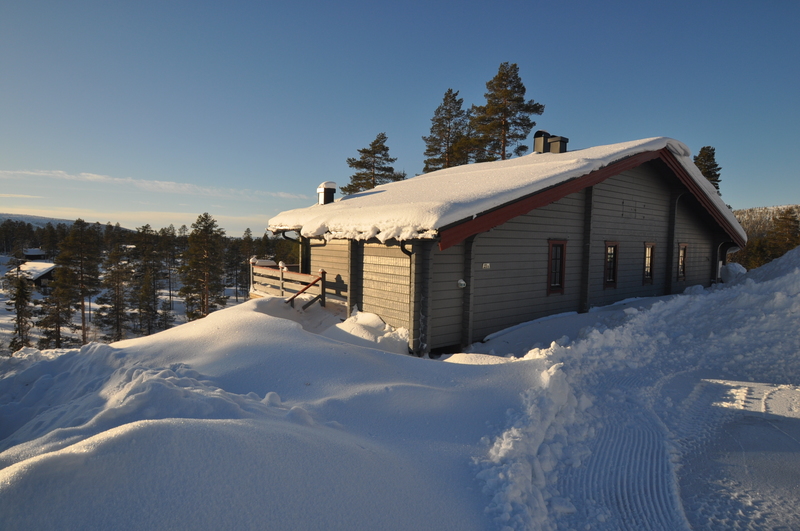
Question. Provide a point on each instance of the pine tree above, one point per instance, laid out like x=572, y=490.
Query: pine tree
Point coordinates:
x=168, y=247
x=248, y=250
x=20, y=303
x=146, y=279
x=447, y=144
x=707, y=163
x=203, y=273
x=145, y=300
x=55, y=314
x=505, y=120
x=112, y=313
x=81, y=254
x=233, y=264
x=374, y=167
x=165, y=316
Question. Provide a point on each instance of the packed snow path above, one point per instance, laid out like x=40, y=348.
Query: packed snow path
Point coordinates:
x=696, y=407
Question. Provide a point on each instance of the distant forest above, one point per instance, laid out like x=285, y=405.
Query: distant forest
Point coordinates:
x=134, y=277
x=771, y=233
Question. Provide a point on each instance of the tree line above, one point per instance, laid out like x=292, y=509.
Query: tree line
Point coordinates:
x=132, y=277
x=480, y=133
x=770, y=239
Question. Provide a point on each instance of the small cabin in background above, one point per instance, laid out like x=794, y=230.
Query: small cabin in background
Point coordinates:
x=40, y=273
x=460, y=253
x=34, y=254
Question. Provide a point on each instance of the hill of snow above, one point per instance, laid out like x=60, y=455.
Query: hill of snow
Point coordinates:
x=757, y=221
x=36, y=221
x=680, y=412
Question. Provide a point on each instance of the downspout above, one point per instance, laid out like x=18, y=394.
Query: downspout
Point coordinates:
x=417, y=341
x=467, y=315
x=671, y=265
x=584, y=303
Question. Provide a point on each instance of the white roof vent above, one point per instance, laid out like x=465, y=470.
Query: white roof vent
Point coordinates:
x=325, y=192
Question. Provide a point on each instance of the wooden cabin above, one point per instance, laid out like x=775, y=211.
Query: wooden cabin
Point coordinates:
x=460, y=253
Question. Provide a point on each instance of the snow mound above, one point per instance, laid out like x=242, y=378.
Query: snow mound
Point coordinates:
x=369, y=330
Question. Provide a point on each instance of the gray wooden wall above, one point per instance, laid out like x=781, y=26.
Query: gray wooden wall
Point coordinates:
x=386, y=287
x=510, y=262
x=334, y=257
x=506, y=267
x=631, y=208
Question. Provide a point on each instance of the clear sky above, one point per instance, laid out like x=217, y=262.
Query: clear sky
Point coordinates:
x=155, y=112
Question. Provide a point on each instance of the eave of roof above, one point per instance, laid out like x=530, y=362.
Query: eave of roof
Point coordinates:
x=459, y=231
x=452, y=204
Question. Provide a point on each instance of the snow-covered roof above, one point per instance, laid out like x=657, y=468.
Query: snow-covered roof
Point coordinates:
x=32, y=270
x=420, y=206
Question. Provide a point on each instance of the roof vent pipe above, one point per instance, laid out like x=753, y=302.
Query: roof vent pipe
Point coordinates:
x=325, y=192
x=558, y=144
x=544, y=142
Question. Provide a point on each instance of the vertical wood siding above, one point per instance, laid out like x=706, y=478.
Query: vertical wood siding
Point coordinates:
x=332, y=256
x=446, y=306
x=386, y=289
x=513, y=288
x=695, y=231
x=631, y=208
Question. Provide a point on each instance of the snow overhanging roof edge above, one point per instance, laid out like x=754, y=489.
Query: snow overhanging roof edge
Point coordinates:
x=455, y=203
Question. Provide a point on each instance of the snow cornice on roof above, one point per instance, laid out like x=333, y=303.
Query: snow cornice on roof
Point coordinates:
x=455, y=203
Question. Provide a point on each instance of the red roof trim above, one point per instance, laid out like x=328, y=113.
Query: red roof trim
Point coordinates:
x=677, y=168
x=460, y=231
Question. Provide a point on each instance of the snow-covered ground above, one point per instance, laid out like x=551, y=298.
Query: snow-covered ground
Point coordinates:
x=676, y=413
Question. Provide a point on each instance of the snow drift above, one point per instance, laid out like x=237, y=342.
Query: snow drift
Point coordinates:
x=262, y=417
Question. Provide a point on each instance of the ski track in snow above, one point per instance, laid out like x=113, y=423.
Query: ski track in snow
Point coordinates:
x=626, y=483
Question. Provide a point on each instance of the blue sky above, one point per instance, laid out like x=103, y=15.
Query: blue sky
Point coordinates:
x=155, y=112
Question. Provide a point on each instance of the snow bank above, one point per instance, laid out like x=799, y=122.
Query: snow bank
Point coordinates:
x=257, y=417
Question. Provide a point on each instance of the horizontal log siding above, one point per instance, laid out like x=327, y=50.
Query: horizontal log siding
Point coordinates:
x=387, y=284
x=693, y=229
x=333, y=257
x=631, y=208
x=514, y=288
x=446, y=306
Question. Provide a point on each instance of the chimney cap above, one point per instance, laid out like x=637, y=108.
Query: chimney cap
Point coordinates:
x=327, y=185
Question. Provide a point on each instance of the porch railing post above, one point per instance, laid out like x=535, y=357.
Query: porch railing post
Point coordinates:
x=322, y=288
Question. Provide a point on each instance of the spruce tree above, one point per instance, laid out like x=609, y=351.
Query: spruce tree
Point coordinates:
x=20, y=304
x=446, y=146
x=505, y=120
x=203, y=272
x=81, y=254
x=707, y=163
x=374, y=167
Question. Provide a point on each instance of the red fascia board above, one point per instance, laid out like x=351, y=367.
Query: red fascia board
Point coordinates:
x=460, y=231
x=694, y=188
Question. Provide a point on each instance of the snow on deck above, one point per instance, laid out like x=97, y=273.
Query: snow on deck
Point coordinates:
x=420, y=206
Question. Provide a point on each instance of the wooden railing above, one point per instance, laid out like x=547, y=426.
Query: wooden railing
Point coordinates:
x=280, y=282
